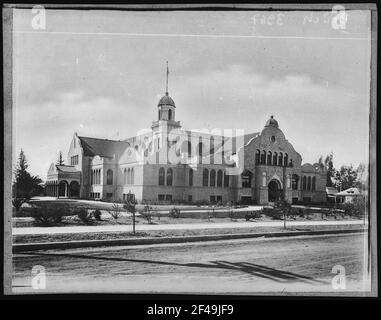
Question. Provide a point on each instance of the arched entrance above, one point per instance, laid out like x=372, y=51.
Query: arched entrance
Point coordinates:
x=275, y=190
x=74, y=189
x=63, y=189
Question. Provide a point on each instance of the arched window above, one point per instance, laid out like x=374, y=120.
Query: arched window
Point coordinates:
x=275, y=159
x=161, y=176
x=189, y=149
x=159, y=114
x=219, y=178
x=291, y=163
x=169, y=176
x=213, y=178
x=294, y=182
x=169, y=114
x=309, y=183
x=132, y=176
x=246, y=179
x=128, y=176
x=226, y=180
x=313, y=183
x=280, y=159
x=200, y=149
x=205, y=178
x=257, y=157
x=91, y=177
x=304, y=183
x=109, y=176
x=269, y=156
x=125, y=176
x=263, y=158
x=191, y=177
x=211, y=145
x=286, y=160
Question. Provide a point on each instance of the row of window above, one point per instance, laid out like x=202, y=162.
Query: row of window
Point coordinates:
x=168, y=178
x=128, y=176
x=308, y=183
x=186, y=147
x=168, y=197
x=165, y=197
x=273, y=159
x=74, y=160
x=95, y=176
x=129, y=196
x=211, y=181
x=95, y=195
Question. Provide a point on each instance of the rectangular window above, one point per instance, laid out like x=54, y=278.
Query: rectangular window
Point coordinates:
x=219, y=198
x=213, y=199
x=168, y=197
x=161, y=197
x=190, y=198
x=108, y=195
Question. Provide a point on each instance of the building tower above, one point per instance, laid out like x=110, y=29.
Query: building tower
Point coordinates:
x=166, y=111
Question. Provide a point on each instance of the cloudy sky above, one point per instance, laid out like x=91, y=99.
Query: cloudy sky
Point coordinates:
x=101, y=74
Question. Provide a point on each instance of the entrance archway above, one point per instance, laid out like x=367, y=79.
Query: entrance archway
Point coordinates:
x=62, y=189
x=275, y=191
x=74, y=189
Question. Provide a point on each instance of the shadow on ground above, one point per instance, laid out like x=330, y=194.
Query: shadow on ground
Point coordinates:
x=245, y=267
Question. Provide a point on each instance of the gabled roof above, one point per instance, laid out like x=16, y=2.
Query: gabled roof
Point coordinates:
x=66, y=168
x=349, y=192
x=102, y=147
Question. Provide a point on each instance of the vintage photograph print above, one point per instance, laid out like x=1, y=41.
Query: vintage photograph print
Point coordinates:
x=179, y=149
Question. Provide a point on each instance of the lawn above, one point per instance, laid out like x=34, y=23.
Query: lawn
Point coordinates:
x=126, y=218
x=168, y=233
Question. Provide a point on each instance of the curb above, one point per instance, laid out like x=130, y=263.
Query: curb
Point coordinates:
x=24, y=247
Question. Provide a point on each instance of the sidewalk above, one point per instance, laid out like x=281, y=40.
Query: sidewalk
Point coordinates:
x=193, y=226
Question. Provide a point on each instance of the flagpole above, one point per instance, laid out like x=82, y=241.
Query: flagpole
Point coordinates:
x=166, y=88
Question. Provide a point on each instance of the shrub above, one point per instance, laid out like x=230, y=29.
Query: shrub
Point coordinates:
x=116, y=211
x=46, y=215
x=253, y=215
x=302, y=213
x=273, y=213
x=84, y=215
x=147, y=214
x=356, y=208
x=97, y=214
x=174, y=213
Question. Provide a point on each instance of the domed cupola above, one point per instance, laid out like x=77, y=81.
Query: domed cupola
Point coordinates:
x=272, y=122
x=166, y=105
x=166, y=101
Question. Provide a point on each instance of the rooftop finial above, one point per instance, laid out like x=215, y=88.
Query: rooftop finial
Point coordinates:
x=166, y=88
